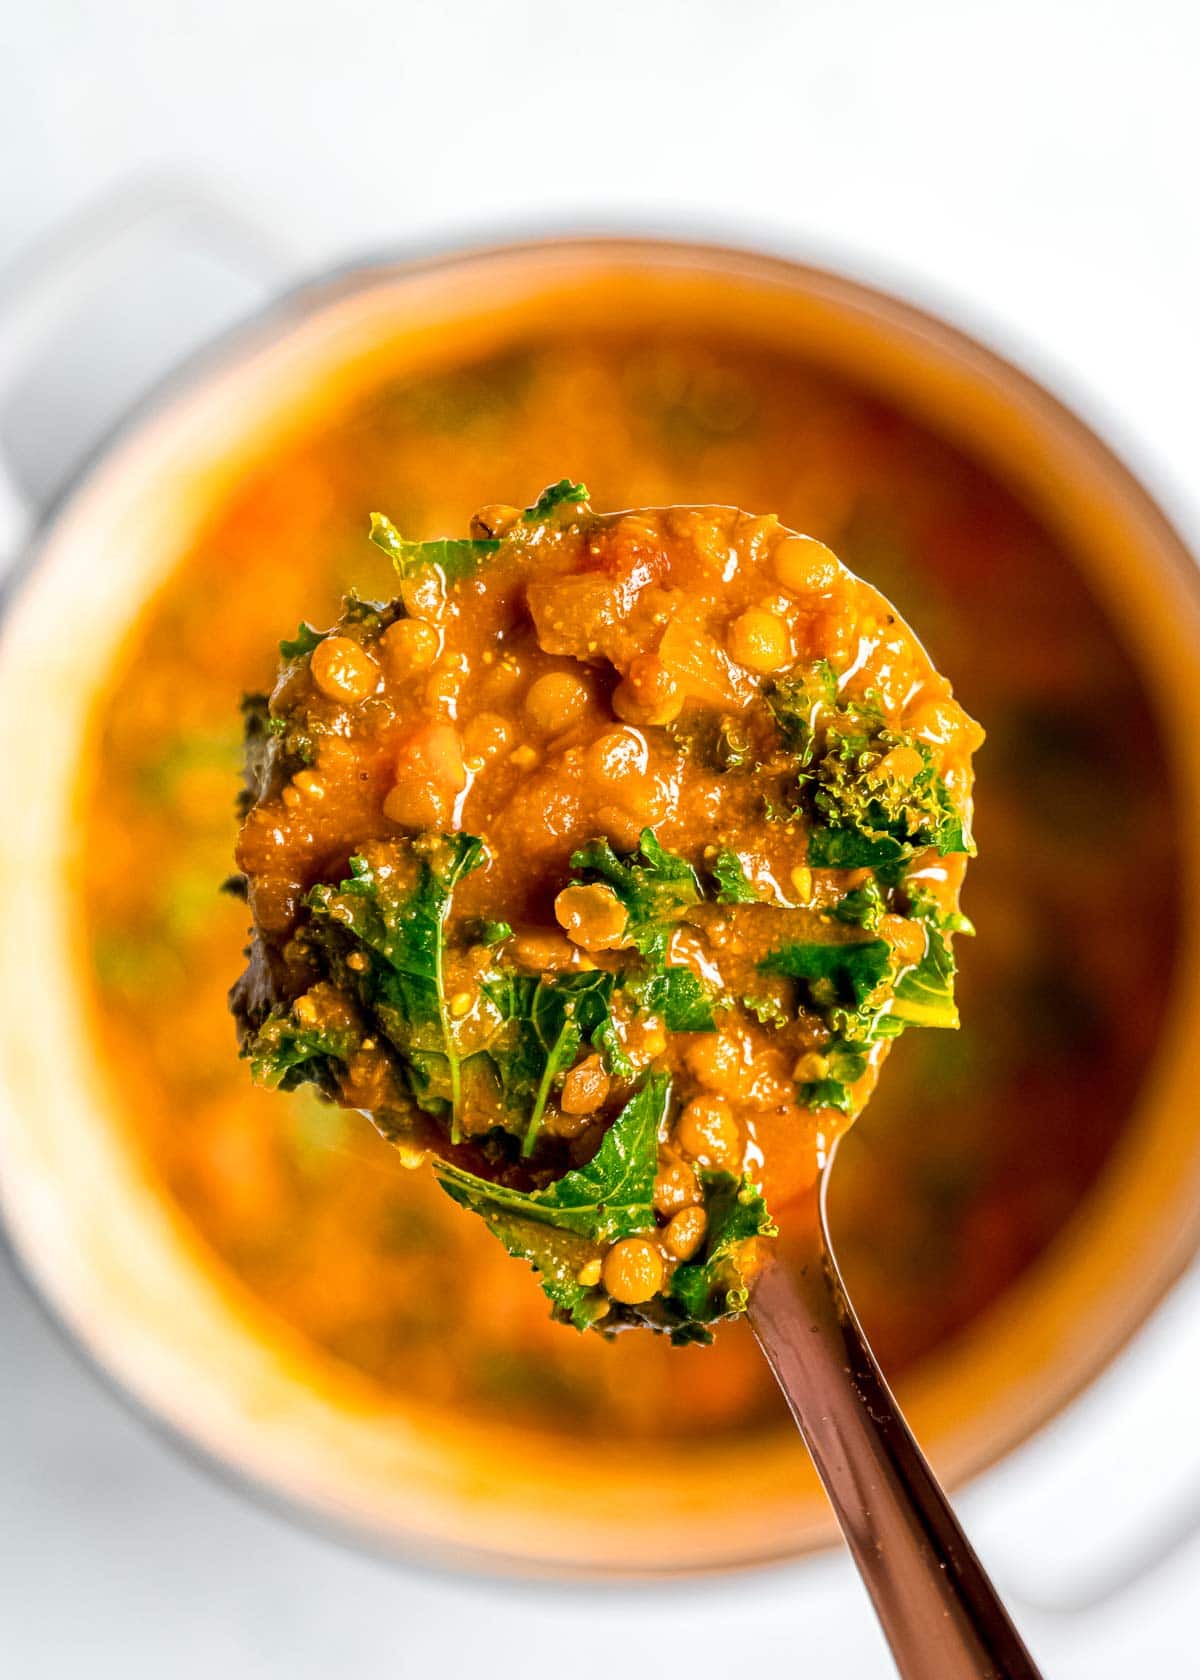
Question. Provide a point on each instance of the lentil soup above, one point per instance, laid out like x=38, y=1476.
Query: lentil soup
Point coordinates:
x=979, y=1145
x=605, y=864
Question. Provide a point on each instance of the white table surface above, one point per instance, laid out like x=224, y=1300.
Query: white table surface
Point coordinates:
x=1029, y=167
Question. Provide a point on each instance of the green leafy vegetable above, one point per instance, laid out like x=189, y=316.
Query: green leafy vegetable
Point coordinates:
x=848, y=848
x=864, y=998
x=925, y=907
x=550, y=1017
x=733, y=884
x=863, y=818
x=825, y=1093
x=714, y=1286
x=610, y=1198
x=676, y=994
x=563, y=1228
x=460, y=557
x=455, y=557
x=302, y=643
x=864, y=907
x=380, y=936
x=559, y=1229
x=554, y=495
x=287, y=1054
x=718, y=741
x=494, y=933
x=924, y=995
x=767, y=1011
x=654, y=885
x=844, y=975
x=396, y=917
x=844, y=1063
x=798, y=705
x=862, y=813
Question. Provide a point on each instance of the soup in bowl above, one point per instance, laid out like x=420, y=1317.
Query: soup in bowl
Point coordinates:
x=259, y=1269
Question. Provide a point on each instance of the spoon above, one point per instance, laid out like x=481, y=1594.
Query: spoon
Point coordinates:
x=940, y=1614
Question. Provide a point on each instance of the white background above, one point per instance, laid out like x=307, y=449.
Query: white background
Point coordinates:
x=1031, y=169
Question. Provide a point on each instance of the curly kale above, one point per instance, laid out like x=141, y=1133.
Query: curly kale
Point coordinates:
x=656, y=888
x=863, y=995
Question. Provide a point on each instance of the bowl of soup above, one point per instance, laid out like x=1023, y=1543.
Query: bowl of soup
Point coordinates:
x=258, y=1271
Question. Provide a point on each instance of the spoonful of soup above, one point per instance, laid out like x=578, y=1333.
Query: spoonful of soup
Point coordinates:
x=601, y=868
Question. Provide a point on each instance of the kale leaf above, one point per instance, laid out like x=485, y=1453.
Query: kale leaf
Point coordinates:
x=798, y=705
x=844, y=1063
x=380, y=938
x=714, y=1286
x=562, y=1230
x=863, y=907
x=836, y=847
x=610, y=1198
x=460, y=557
x=925, y=907
x=716, y=741
x=924, y=995
x=554, y=495
x=548, y=1018
x=563, y=1227
x=864, y=808
x=863, y=818
x=825, y=1093
x=733, y=884
x=454, y=557
x=654, y=885
x=862, y=996
x=394, y=915
x=302, y=643
x=676, y=995
x=767, y=1011
x=286, y=1053
x=494, y=933
x=833, y=976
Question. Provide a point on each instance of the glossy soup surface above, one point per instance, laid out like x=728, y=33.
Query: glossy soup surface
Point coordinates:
x=978, y=1145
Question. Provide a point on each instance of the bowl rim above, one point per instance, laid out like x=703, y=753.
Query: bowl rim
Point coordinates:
x=269, y=326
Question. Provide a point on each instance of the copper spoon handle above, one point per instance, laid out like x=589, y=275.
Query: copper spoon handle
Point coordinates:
x=940, y=1613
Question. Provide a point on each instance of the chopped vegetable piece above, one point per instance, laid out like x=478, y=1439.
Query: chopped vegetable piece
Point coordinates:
x=715, y=1285
x=654, y=886
x=734, y=886
x=862, y=907
x=843, y=974
x=302, y=643
x=454, y=557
